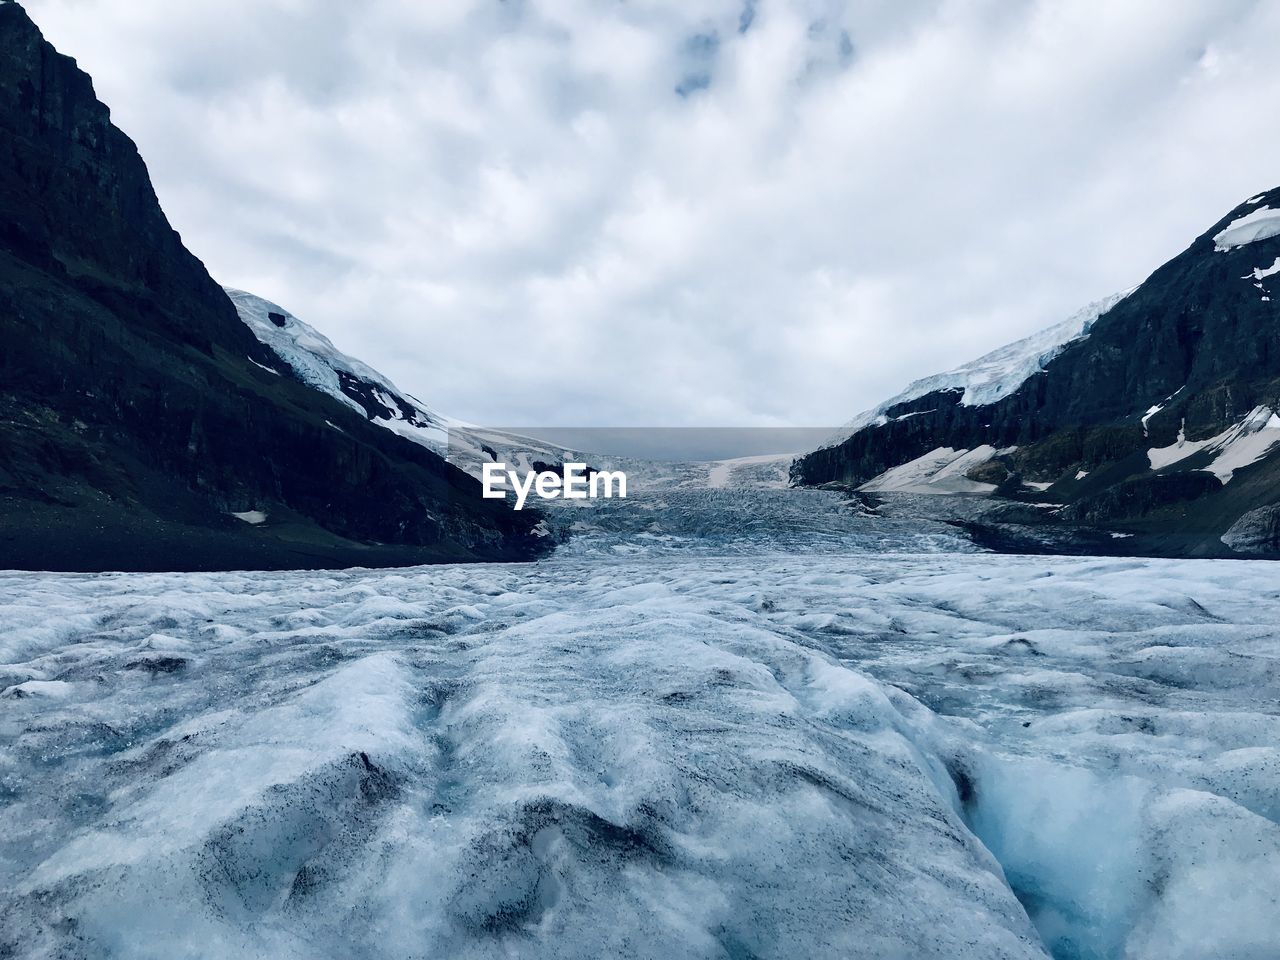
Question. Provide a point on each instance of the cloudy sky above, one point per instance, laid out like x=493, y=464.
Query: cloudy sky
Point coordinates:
x=684, y=212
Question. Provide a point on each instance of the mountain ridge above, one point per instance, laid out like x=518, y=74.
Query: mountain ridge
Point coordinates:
x=140, y=419
x=1192, y=351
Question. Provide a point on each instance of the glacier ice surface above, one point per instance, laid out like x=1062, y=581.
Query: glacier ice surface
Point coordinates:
x=684, y=735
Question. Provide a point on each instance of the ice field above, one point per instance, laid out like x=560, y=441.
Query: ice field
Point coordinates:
x=790, y=731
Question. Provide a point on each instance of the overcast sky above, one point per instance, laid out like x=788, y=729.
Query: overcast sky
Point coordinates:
x=684, y=212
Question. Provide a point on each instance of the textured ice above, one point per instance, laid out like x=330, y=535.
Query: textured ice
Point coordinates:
x=657, y=743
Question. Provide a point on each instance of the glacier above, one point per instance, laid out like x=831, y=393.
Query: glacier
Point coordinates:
x=717, y=723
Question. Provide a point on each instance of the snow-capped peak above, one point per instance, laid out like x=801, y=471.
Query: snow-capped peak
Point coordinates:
x=309, y=352
x=317, y=362
x=995, y=375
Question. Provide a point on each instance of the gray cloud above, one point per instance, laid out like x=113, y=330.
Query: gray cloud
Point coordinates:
x=673, y=213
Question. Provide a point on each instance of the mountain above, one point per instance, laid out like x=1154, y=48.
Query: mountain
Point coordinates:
x=143, y=425
x=314, y=360
x=1150, y=417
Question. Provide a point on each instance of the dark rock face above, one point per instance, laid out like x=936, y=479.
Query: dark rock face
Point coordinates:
x=1141, y=496
x=133, y=419
x=1257, y=532
x=1201, y=336
x=76, y=200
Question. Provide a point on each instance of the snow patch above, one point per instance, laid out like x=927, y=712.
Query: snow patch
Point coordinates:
x=1239, y=446
x=939, y=471
x=1152, y=411
x=1260, y=224
x=310, y=354
x=1261, y=273
x=263, y=366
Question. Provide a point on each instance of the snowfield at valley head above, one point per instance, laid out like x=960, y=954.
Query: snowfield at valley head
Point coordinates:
x=657, y=743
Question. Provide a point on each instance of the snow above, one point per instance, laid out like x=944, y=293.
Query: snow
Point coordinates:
x=768, y=470
x=1248, y=443
x=939, y=471
x=1237, y=447
x=253, y=517
x=1260, y=224
x=262, y=366
x=1156, y=408
x=435, y=436
x=1261, y=273
x=995, y=375
x=865, y=750
x=310, y=354
x=318, y=363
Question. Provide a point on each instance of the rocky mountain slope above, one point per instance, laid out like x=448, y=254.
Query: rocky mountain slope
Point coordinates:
x=142, y=424
x=316, y=361
x=1151, y=416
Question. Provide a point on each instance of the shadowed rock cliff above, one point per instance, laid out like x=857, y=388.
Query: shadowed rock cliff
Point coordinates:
x=138, y=414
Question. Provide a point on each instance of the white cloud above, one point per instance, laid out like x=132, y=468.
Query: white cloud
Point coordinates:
x=511, y=208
